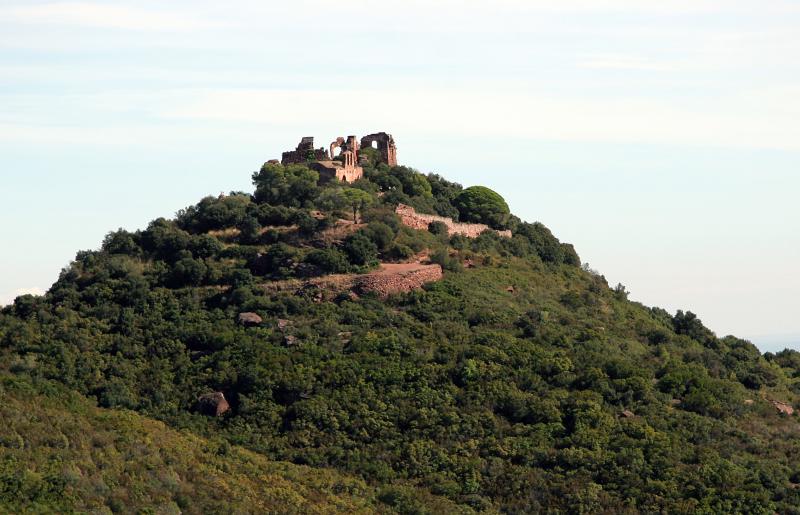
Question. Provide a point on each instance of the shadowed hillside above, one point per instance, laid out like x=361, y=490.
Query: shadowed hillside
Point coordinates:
x=62, y=453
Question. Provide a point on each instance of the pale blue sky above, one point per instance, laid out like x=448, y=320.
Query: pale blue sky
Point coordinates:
x=661, y=138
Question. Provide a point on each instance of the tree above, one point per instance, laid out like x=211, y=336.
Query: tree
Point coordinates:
x=688, y=324
x=249, y=230
x=360, y=249
x=544, y=243
x=121, y=242
x=438, y=228
x=381, y=234
x=479, y=204
x=205, y=246
x=331, y=200
x=278, y=261
x=414, y=184
x=292, y=185
x=328, y=260
x=164, y=239
x=188, y=272
x=357, y=199
x=214, y=213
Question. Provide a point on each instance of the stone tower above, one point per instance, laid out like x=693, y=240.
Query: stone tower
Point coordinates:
x=385, y=145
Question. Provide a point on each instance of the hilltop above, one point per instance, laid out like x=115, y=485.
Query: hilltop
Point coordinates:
x=408, y=342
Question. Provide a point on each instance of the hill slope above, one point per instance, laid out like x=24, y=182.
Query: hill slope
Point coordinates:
x=518, y=382
x=62, y=454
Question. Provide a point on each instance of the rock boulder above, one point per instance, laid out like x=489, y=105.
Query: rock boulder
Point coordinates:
x=213, y=404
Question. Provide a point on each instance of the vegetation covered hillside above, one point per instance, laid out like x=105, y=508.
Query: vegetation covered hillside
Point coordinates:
x=63, y=454
x=520, y=382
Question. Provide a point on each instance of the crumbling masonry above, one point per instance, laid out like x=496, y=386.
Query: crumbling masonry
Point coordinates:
x=304, y=152
x=409, y=216
x=384, y=143
x=347, y=165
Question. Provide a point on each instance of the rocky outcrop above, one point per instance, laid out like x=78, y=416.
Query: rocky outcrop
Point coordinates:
x=783, y=407
x=397, y=279
x=389, y=279
x=213, y=404
x=409, y=216
x=250, y=319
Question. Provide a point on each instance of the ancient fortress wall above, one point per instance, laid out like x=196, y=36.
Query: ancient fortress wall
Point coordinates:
x=409, y=216
x=397, y=279
x=390, y=278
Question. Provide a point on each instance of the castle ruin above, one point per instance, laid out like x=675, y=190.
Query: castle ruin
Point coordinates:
x=385, y=145
x=347, y=164
x=304, y=152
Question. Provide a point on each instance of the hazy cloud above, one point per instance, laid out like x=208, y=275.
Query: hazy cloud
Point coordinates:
x=8, y=298
x=102, y=15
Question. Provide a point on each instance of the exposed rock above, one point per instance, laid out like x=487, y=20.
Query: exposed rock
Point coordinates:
x=213, y=404
x=510, y=289
x=627, y=414
x=312, y=292
x=748, y=402
x=783, y=407
x=397, y=279
x=346, y=296
x=675, y=402
x=390, y=278
x=282, y=324
x=290, y=341
x=250, y=319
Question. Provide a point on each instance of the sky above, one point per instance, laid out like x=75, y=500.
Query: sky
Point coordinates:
x=661, y=138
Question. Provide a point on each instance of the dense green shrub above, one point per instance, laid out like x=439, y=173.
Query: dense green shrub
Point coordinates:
x=214, y=213
x=479, y=204
x=292, y=185
x=249, y=230
x=121, y=242
x=278, y=261
x=330, y=261
x=438, y=228
x=361, y=250
x=381, y=235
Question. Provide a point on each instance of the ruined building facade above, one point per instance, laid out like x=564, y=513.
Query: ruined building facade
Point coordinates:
x=385, y=145
x=304, y=152
x=346, y=166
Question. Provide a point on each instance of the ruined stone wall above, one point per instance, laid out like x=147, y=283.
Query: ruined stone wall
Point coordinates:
x=304, y=152
x=350, y=174
x=330, y=170
x=390, y=278
x=409, y=216
x=385, y=283
x=385, y=145
x=303, y=156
